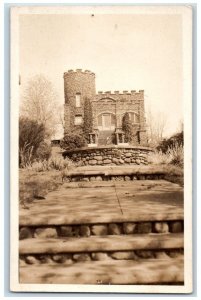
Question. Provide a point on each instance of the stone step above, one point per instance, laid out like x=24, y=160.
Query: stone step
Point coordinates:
x=102, y=244
x=106, y=229
x=161, y=271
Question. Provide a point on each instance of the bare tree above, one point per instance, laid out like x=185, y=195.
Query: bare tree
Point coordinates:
x=156, y=123
x=39, y=103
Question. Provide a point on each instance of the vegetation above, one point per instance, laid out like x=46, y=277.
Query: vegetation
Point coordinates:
x=73, y=141
x=31, y=142
x=174, y=141
x=88, y=118
x=127, y=127
x=40, y=103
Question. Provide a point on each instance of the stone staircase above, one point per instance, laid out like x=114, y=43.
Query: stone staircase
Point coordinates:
x=104, y=233
x=105, y=137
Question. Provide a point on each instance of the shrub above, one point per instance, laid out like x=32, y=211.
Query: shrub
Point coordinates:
x=127, y=127
x=72, y=141
x=174, y=155
x=54, y=163
x=31, y=134
x=44, y=151
x=174, y=141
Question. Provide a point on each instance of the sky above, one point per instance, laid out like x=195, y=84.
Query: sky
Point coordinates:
x=126, y=52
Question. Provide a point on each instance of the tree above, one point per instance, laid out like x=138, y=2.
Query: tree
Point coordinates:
x=39, y=103
x=127, y=127
x=31, y=135
x=88, y=118
x=156, y=125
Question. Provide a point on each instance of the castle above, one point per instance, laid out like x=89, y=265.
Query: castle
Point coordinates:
x=108, y=109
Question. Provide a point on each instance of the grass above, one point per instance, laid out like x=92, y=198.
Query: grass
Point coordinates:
x=171, y=163
x=41, y=177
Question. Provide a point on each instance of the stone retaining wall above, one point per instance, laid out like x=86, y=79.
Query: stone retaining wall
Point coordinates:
x=69, y=258
x=86, y=230
x=109, y=155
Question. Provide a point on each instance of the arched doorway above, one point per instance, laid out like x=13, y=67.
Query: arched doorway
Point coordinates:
x=106, y=121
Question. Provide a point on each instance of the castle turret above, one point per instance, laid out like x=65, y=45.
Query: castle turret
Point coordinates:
x=78, y=85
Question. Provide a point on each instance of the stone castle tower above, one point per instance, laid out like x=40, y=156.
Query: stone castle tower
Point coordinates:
x=108, y=108
x=77, y=86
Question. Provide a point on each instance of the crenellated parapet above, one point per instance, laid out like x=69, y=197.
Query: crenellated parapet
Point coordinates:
x=78, y=71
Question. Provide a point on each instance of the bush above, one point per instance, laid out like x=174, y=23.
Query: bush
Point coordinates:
x=54, y=163
x=174, y=141
x=31, y=134
x=174, y=155
x=127, y=127
x=44, y=151
x=73, y=141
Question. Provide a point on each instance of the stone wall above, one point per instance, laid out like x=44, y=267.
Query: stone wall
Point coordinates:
x=109, y=155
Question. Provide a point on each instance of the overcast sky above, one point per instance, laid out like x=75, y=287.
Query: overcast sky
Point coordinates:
x=127, y=52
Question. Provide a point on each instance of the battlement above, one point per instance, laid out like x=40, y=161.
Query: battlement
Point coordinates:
x=78, y=71
x=121, y=92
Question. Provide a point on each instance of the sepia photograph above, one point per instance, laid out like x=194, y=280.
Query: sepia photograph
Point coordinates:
x=101, y=155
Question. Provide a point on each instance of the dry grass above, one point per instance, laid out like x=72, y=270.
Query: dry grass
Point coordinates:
x=41, y=177
x=174, y=156
x=33, y=185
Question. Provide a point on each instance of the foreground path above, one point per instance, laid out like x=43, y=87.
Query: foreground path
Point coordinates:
x=104, y=232
x=92, y=202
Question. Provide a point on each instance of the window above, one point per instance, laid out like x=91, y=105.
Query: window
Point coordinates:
x=78, y=120
x=77, y=100
x=134, y=117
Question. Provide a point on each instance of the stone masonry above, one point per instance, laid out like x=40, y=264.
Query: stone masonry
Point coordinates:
x=108, y=108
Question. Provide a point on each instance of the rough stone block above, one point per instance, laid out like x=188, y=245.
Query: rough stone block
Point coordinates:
x=161, y=227
x=114, y=229
x=176, y=253
x=92, y=161
x=123, y=255
x=127, y=160
x=121, y=161
x=48, y=232
x=128, y=154
x=81, y=257
x=85, y=179
x=45, y=259
x=107, y=161
x=25, y=233
x=31, y=260
x=129, y=228
x=127, y=178
x=92, y=178
x=145, y=253
x=61, y=258
x=176, y=226
x=161, y=255
x=98, y=157
x=99, y=229
x=144, y=227
x=100, y=256
x=84, y=230
x=99, y=178
x=66, y=231
x=138, y=161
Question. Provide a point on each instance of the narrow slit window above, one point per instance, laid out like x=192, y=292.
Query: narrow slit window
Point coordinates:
x=77, y=100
